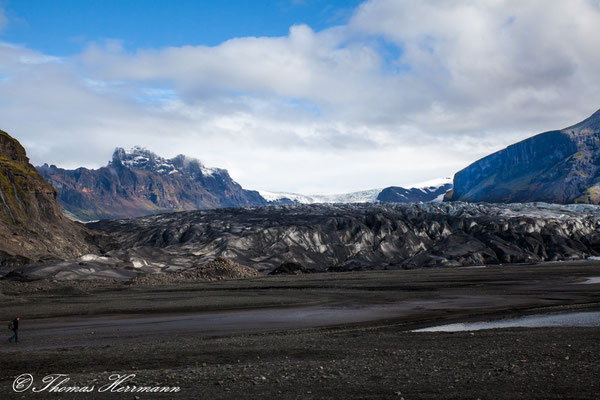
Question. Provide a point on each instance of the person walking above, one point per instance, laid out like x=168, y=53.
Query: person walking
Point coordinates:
x=15, y=329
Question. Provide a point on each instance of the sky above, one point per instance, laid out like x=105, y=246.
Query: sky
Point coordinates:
x=300, y=96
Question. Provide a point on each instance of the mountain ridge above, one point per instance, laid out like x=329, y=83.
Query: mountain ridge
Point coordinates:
x=139, y=182
x=560, y=166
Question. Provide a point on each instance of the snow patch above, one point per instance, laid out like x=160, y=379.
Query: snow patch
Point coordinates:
x=440, y=198
x=208, y=171
x=433, y=183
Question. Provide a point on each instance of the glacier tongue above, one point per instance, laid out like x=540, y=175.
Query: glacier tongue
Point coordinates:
x=345, y=237
x=364, y=196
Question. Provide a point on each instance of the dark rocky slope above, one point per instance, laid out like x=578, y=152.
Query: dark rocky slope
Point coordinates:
x=396, y=194
x=138, y=182
x=557, y=167
x=346, y=237
x=32, y=225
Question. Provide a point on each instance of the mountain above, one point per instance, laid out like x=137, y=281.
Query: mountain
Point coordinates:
x=138, y=182
x=428, y=191
x=560, y=166
x=32, y=225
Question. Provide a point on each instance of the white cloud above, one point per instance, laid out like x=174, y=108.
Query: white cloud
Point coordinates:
x=405, y=92
x=317, y=67
x=485, y=61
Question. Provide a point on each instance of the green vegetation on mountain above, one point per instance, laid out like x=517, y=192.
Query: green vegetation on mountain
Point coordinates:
x=32, y=225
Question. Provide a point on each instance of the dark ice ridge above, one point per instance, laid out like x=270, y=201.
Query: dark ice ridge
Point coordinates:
x=347, y=237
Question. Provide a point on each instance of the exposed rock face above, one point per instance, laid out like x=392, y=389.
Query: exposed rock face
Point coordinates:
x=395, y=194
x=138, y=182
x=32, y=225
x=347, y=237
x=556, y=167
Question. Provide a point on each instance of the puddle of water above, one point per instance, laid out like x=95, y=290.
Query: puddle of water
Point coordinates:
x=531, y=321
x=591, y=280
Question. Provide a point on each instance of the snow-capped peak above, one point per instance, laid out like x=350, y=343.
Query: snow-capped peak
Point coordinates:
x=139, y=157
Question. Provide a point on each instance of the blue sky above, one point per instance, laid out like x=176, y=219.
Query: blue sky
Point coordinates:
x=297, y=96
x=65, y=27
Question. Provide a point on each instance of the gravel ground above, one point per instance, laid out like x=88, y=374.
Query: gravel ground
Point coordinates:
x=383, y=362
x=373, y=359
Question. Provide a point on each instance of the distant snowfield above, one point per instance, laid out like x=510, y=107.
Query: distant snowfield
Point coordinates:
x=363, y=196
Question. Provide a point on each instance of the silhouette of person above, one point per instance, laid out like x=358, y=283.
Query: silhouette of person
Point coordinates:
x=15, y=329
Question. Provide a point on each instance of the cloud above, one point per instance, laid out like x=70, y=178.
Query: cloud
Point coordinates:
x=489, y=60
x=298, y=66
x=405, y=92
x=463, y=66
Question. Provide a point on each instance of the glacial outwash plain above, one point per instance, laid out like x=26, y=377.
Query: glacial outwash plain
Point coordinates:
x=321, y=335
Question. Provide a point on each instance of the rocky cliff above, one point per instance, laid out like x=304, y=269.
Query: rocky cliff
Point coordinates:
x=557, y=167
x=347, y=237
x=32, y=225
x=139, y=182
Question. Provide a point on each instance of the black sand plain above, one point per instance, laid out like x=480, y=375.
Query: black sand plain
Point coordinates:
x=335, y=335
